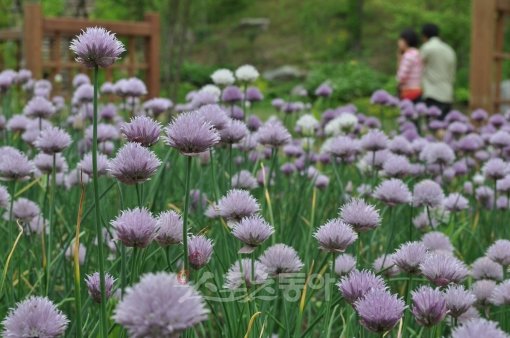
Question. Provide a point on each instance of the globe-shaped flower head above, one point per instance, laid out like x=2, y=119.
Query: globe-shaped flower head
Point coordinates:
x=191, y=134
x=379, y=310
x=360, y=215
x=34, y=317
x=53, y=140
x=134, y=164
x=281, y=259
x=429, y=306
x=252, y=231
x=160, y=305
x=135, y=227
x=335, y=236
x=93, y=286
x=96, y=46
x=143, y=130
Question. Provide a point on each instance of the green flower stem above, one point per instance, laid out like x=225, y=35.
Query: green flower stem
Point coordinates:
x=51, y=226
x=99, y=228
x=185, y=218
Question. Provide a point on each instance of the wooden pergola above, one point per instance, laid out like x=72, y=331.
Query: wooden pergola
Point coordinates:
x=487, y=53
x=37, y=29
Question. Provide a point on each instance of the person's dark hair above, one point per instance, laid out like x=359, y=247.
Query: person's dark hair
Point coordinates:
x=430, y=30
x=410, y=37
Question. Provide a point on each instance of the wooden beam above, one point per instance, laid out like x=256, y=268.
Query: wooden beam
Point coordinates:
x=503, y=5
x=11, y=34
x=70, y=27
x=32, y=38
x=498, y=47
x=482, y=45
x=502, y=56
x=152, y=51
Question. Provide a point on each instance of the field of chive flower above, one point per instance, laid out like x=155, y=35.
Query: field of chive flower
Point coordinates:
x=126, y=217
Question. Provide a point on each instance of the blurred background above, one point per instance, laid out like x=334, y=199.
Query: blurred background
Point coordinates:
x=352, y=43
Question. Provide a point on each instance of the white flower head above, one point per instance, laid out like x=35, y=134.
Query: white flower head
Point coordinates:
x=307, y=124
x=478, y=179
x=247, y=73
x=212, y=89
x=223, y=77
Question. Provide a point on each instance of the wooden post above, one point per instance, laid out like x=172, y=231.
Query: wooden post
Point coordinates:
x=498, y=49
x=32, y=38
x=152, y=55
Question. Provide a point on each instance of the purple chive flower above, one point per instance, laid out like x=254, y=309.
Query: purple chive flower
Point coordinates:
x=343, y=147
x=273, y=134
x=233, y=132
x=281, y=259
x=105, y=132
x=335, y=236
x=485, y=268
x=83, y=94
x=134, y=87
x=44, y=162
x=253, y=123
x=135, y=227
x=344, y=264
x=400, y=146
x=96, y=46
x=501, y=294
x=14, y=165
x=4, y=197
x=252, y=231
x=25, y=210
x=483, y=290
x=479, y=115
x=39, y=107
x=134, y=164
x=169, y=225
x=443, y=269
x=191, y=134
x=324, y=90
x=396, y=166
x=86, y=164
x=495, y=169
x=157, y=106
x=107, y=88
x=374, y=140
x=94, y=289
x=360, y=215
x=455, y=202
x=380, y=97
x=379, y=310
x=470, y=143
x=240, y=274
x=409, y=256
x=428, y=193
x=500, y=139
x=437, y=241
x=253, y=94
x=34, y=317
x=200, y=249
x=143, y=130
x=499, y=252
x=503, y=185
x=437, y=153
x=393, y=192
x=215, y=115
x=160, y=305
x=244, y=180
x=385, y=265
x=231, y=94
x=357, y=284
x=458, y=300
x=17, y=123
x=237, y=204
x=52, y=140
x=478, y=327
x=429, y=306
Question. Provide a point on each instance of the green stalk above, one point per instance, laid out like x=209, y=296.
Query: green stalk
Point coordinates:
x=213, y=176
x=99, y=228
x=50, y=223
x=329, y=293
x=185, y=218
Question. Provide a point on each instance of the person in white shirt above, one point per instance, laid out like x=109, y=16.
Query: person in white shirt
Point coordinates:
x=439, y=62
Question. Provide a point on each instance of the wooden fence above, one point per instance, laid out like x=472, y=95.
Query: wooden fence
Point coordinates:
x=58, y=32
x=488, y=53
